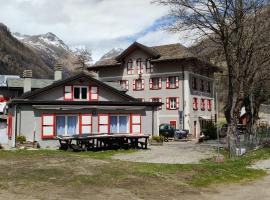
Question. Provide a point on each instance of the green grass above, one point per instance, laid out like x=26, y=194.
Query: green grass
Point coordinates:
x=113, y=173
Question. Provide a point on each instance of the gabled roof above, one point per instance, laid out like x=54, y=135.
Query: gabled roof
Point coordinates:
x=152, y=52
x=83, y=74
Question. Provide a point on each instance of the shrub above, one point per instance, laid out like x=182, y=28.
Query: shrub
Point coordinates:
x=20, y=138
x=158, y=138
x=210, y=131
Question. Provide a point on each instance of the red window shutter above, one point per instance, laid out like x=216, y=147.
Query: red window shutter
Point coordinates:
x=159, y=83
x=68, y=92
x=48, y=126
x=195, y=104
x=177, y=102
x=142, y=83
x=103, y=123
x=151, y=83
x=177, y=81
x=93, y=93
x=167, y=83
x=134, y=84
x=136, y=123
x=168, y=103
x=85, y=123
x=209, y=105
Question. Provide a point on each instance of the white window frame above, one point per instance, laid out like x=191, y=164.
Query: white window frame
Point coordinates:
x=66, y=116
x=80, y=98
x=118, y=116
x=171, y=103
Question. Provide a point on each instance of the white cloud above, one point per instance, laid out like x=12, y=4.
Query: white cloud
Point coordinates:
x=98, y=24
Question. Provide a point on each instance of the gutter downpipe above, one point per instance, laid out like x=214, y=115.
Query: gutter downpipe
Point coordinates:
x=183, y=100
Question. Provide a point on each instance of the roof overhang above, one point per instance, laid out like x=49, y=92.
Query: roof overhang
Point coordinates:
x=79, y=107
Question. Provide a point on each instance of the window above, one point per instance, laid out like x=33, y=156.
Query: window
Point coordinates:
x=68, y=92
x=119, y=124
x=130, y=69
x=103, y=123
x=194, y=83
x=141, y=99
x=149, y=66
x=138, y=84
x=208, y=85
x=67, y=125
x=202, y=104
x=47, y=126
x=202, y=86
x=93, y=93
x=124, y=84
x=155, y=83
x=139, y=65
x=85, y=123
x=195, y=103
x=157, y=99
x=209, y=104
x=136, y=123
x=172, y=82
x=172, y=103
x=80, y=93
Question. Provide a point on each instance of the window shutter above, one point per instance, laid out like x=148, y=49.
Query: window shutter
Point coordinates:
x=9, y=126
x=160, y=100
x=195, y=104
x=93, y=93
x=177, y=102
x=168, y=103
x=103, y=123
x=167, y=83
x=142, y=83
x=134, y=84
x=68, y=92
x=136, y=124
x=159, y=83
x=151, y=83
x=127, y=85
x=177, y=81
x=85, y=123
x=48, y=126
x=209, y=105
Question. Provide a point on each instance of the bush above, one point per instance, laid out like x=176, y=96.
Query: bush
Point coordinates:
x=210, y=130
x=158, y=138
x=20, y=138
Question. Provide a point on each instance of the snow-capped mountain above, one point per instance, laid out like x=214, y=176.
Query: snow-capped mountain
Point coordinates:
x=51, y=49
x=112, y=53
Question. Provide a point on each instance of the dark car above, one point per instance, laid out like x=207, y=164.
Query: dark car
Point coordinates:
x=167, y=131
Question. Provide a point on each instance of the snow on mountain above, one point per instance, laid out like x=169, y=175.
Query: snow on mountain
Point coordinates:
x=112, y=53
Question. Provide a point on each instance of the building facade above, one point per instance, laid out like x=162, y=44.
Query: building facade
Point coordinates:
x=169, y=74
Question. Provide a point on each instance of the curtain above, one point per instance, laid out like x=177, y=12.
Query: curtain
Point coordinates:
x=60, y=125
x=71, y=125
x=113, y=124
x=123, y=124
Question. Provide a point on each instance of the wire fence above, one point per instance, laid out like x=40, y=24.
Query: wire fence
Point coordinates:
x=242, y=142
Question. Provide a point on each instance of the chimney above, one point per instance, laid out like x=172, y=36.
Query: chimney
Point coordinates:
x=27, y=82
x=58, y=70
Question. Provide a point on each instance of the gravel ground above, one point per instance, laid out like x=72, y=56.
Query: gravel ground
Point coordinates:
x=172, y=152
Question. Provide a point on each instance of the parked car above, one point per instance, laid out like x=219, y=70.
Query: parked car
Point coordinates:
x=167, y=131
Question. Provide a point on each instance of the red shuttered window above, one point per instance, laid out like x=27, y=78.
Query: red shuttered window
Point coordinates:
x=149, y=66
x=209, y=104
x=172, y=103
x=48, y=126
x=172, y=82
x=139, y=64
x=138, y=84
x=202, y=104
x=85, y=123
x=93, y=93
x=124, y=84
x=136, y=123
x=130, y=68
x=155, y=83
x=68, y=92
x=195, y=103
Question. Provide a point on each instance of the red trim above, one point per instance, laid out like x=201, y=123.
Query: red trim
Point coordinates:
x=195, y=103
x=209, y=104
x=90, y=93
x=71, y=93
x=126, y=83
x=81, y=124
x=135, y=85
x=168, y=84
x=9, y=125
x=151, y=83
x=132, y=124
x=202, y=104
x=53, y=125
x=108, y=125
x=174, y=122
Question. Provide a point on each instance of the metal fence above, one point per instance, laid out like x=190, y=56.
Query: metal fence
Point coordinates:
x=243, y=142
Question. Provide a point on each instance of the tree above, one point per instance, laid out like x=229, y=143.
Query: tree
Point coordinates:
x=240, y=31
x=83, y=58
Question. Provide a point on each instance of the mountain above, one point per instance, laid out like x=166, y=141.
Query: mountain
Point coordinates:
x=112, y=53
x=51, y=49
x=15, y=57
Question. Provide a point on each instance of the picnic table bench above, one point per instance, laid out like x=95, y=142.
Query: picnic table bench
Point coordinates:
x=103, y=141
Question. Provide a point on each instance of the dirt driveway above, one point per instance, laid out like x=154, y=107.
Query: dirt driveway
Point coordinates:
x=172, y=153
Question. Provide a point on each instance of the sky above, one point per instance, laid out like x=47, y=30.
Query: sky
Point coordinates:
x=100, y=25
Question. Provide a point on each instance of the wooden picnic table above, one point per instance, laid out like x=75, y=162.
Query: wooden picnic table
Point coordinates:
x=103, y=141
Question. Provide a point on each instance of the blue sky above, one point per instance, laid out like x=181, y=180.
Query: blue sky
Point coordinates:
x=98, y=24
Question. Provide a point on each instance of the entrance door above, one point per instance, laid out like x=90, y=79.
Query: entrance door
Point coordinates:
x=173, y=124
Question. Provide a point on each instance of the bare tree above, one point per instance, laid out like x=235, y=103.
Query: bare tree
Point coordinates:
x=238, y=28
x=83, y=58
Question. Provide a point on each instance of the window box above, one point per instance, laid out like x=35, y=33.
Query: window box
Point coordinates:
x=172, y=103
x=172, y=82
x=155, y=83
